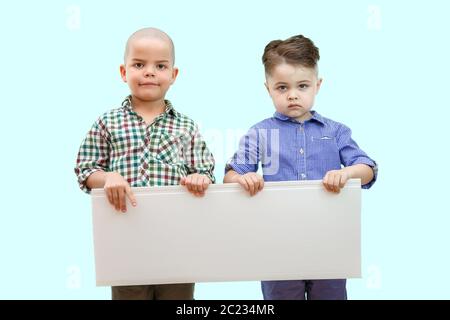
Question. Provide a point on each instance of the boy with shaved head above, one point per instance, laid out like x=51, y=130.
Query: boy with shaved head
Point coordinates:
x=145, y=142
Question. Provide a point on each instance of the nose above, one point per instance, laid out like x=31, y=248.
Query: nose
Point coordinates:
x=292, y=96
x=149, y=71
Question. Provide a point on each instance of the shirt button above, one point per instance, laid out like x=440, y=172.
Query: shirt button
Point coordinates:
x=303, y=176
x=301, y=151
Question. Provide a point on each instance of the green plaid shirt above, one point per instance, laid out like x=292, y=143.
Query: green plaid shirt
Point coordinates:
x=158, y=154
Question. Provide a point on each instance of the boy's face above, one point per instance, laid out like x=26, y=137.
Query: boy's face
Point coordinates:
x=293, y=89
x=148, y=68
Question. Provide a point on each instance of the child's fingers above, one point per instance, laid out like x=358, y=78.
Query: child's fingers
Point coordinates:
x=246, y=184
x=203, y=183
x=243, y=183
x=183, y=181
x=110, y=196
x=261, y=183
x=343, y=181
x=115, y=195
x=251, y=185
x=130, y=196
x=331, y=183
x=336, y=183
x=199, y=184
x=187, y=182
x=206, y=183
x=326, y=182
x=122, y=205
x=200, y=194
x=255, y=181
x=194, y=184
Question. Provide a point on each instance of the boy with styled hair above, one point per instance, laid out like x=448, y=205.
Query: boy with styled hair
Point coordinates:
x=301, y=144
x=146, y=142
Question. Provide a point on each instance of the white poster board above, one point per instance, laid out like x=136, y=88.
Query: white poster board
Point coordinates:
x=290, y=230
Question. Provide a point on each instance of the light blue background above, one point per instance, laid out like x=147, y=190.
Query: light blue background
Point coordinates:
x=385, y=68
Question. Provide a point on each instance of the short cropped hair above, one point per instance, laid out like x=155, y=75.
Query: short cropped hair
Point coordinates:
x=296, y=50
x=150, y=33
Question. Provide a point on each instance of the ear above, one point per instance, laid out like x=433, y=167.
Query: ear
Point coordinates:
x=123, y=73
x=267, y=87
x=174, y=75
x=319, y=84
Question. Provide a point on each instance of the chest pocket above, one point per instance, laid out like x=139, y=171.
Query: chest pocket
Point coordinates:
x=325, y=152
x=168, y=148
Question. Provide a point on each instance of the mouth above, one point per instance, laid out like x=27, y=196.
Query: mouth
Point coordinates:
x=148, y=84
x=294, y=106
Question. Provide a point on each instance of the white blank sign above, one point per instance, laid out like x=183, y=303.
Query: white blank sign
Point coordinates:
x=290, y=230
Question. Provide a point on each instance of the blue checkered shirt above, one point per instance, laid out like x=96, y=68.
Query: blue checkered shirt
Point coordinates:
x=290, y=150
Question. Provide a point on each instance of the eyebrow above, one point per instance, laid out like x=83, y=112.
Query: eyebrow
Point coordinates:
x=141, y=60
x=281, y=82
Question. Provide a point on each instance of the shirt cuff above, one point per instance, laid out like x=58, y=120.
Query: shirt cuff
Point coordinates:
x=210, y=176
x=237, y=168
x=374, y=167
x=82, y=178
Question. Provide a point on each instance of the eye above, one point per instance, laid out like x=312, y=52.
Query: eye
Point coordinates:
x=303, y=86
x=161, y=66
x=138, y=65
x=282, y=88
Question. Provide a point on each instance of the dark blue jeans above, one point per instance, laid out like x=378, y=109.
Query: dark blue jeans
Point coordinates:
x=304, y=289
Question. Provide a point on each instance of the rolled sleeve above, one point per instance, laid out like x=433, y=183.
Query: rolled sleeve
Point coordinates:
x=247, y=157
x=199, y=158
x=375, y=175
x=351, y=154
x=369, y=162
x=93, y=155
x=239, y=168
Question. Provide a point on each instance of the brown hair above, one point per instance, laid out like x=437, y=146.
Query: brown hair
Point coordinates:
x=297, y=50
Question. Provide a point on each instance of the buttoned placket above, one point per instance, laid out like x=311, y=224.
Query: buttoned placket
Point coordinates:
x=149, y=129
x=301, y=173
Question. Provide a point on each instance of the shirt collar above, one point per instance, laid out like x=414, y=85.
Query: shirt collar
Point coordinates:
x=315, y=116
x=126, y=104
